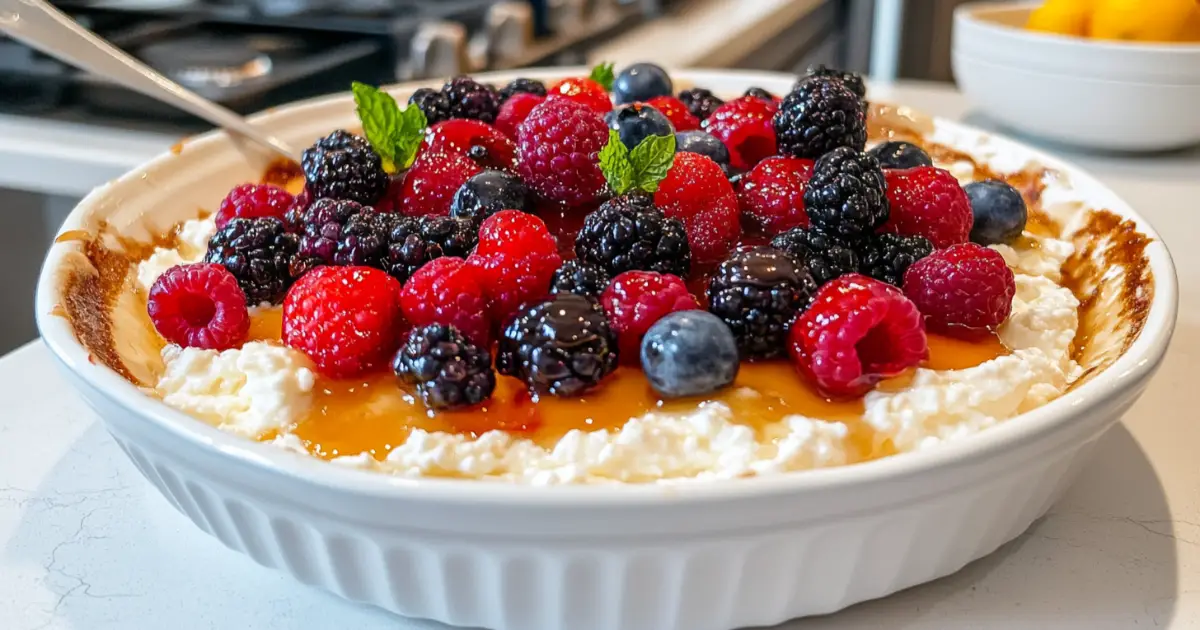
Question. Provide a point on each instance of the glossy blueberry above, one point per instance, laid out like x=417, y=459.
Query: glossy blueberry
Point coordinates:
x=689, y=353
x=641, y=82
x=636, y=122
x=999, y=210
x=489, y=192
x=896, y=154
x=703, y=143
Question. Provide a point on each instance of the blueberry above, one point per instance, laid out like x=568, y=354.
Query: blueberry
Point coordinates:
x=999, y=210
x=689, y=353
x=703, y=143
x=641, y=82
x=636, y=122
x=896, y=154
x=489, y=192
x=760, y=93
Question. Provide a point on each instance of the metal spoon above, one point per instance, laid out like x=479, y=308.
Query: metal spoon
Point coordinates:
x=41, y=26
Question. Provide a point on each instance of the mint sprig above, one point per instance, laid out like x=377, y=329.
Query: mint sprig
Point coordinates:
x=603, y=74
x=640, y=169
x=394, y=133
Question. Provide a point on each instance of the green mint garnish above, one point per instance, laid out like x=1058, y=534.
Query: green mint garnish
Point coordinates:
x=641, y=169
x=603, y=74
x=394, y=133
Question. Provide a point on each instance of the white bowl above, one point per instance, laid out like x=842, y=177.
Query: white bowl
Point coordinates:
x=703, y=556
x=1090, y=93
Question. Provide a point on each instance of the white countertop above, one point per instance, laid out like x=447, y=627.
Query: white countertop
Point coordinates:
x=86, y=543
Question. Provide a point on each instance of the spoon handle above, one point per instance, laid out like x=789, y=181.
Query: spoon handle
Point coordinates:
x=41, y=26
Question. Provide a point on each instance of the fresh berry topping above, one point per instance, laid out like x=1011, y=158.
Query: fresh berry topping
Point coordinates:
x=851, y=80
x=431, y=183
x=563, y=346
x=703, y=143
x=522, y=86
x=962, y=289
x=250, y=201
x=744, y=125
x=580, y=278
x=636, y=299
x=757, y=293
x=199, y=306
x=489, y=192
x=887, y=256
x=412, y=242
x=343, y=166
x=772, y=194
x=999, y=212
x=635, y=122
x=514, y=112
x=258, y=253
x=857, y=332
x=432, y=103
x=700, y=102
x=697, y=193
x=898, y=154
x=559, y=144
x=346, y=319
x=585, y=92
x=820, y=115
x=448, y=291
x=513, y=280
x=927, y=201
x=628, y=233
x=641, y=82
x=758, y=92
x=515, y=233
x=291, y=218
x=486, y=145
x=471, y=99
x=827, y=257
x=448, y=371
x=676, y=112
x=689, y=353
x=846, y=196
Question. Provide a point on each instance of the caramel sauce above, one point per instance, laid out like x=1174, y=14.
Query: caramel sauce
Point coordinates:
x=177, y=148
x=266, y=325
x=73, y=235
x=284, y=173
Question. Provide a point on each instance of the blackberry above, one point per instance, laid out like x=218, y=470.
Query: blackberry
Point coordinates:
x=758, y=92
x=343, y=166
x=470, y=99
x=851, y=80
x=488, y=192
x=700, y=102
x=629, y=232
x=820, y=115
x=522, y=86
x=887, y=256
x=432, y=103
x=846, y=195
x=413, y=241
x=826, y=257
x=449, y=371
x=257, y=252
x=757, y=292
x=562, y=346
x=580, y=278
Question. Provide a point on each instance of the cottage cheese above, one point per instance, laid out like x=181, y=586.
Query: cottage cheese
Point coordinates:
x=193, y=241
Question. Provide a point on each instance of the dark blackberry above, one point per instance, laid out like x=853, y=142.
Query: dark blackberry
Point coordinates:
x=522, y=86
x=470, y=99
x=449, y=371
x=257, y=252
x=321, y=225
x=826, y=257
x=757, y=292
x=433, y=103
x=563, y=346
x=343, y=166
x=629, y=232
x=886, y=257
x=488, y=192
x=413, y=241
x=846, y=195
x=701, y=102
x=758, y=92
x=580, y=278
x=820, y=115
x=851, y=80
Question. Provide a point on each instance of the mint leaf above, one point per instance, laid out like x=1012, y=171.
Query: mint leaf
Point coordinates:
x=412, y=132
x=603, y=74
x=616, y=165
x=380, y=117
x=651, y=159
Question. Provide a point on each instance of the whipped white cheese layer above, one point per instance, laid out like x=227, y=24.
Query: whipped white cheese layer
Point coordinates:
x=193, y=241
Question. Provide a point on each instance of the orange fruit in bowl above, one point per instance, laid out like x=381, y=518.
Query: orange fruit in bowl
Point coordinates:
x=1142, y=20
x=1064, y=17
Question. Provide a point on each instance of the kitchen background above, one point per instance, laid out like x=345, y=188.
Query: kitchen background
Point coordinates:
x=63, y=132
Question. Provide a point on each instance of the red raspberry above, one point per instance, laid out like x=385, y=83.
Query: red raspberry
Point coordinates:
x=681, y=118
x=745, y=126
x=514, y=112
x=928, y=201
x=199, y=306
x=516, y=233
x=481, y=142
x=430, y=184
x=581, y=90
x=772, y=195
x=558, y=148
x=512, y=280
x=964, y=289
x=635, y=300
x=697, y=192
x=346, y=319
x=448, y=291
x=250, y=201
x=857, y=332
x=393, y=199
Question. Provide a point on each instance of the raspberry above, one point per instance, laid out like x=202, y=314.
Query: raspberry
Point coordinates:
x=250, y=201
x=962, y=289
x=468, y=98
x=391, y=200
x=512, y=280
x=635, y=300
x=697, y=193
x=448, y=291
x=857, y=332
x=559, y=147
x=744, y=125
x=887, y=256
x=851, y=80
x=628, y=233
x=827, y=257
x=516, y=233
x=258, y=252
x=432, y=103
x=562, y=346
x=845, y=196
x=199, y=306
x=928, y=201
x=757, y=292
x=583, y=91
x=449, y=371
x=676, y=112
x=580, y=278
x=522, y=86
x=343, y=166
x=484, y=144
x=514, y=112
x=700, y=102
x=430, y=184
x=346, y=319
x=772, y=194
x=820, y=115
